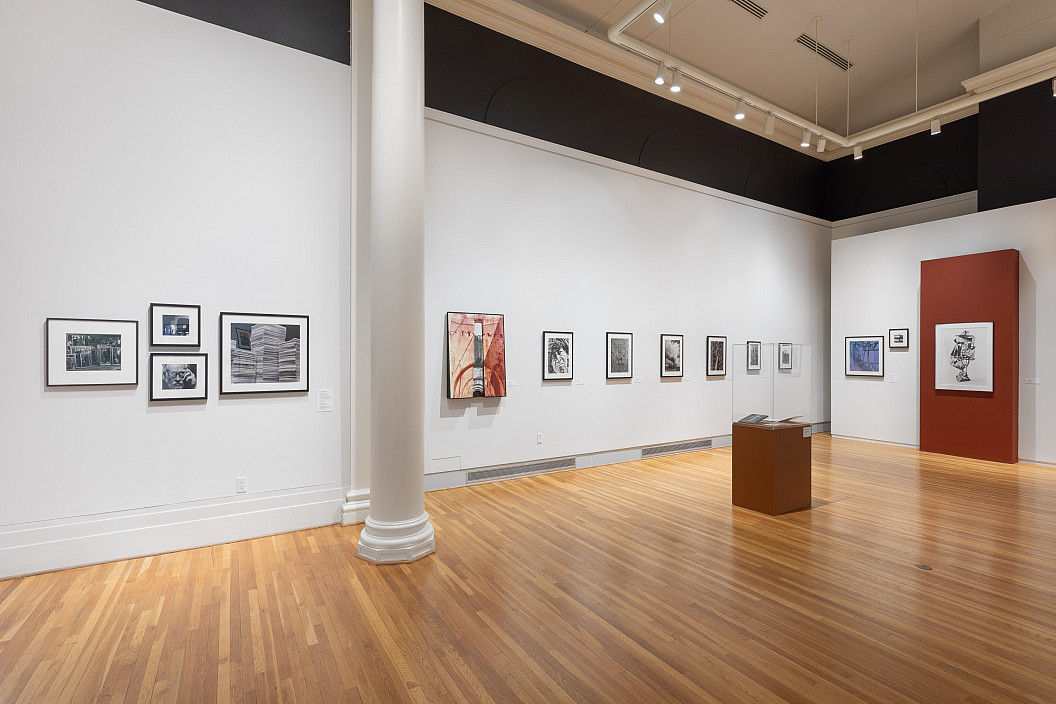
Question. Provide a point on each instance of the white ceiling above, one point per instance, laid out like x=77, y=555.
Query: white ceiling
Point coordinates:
x=761, y=56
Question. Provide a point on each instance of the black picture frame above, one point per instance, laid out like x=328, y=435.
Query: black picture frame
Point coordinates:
x=168, y=384
x=672, y=354
x=755, y=364
x=557, y=355
x=784, y=355
x=619, y=357
x=717, y=362
x=898, y=338
x=175, y=325
x=283, y=366
x=89, y=352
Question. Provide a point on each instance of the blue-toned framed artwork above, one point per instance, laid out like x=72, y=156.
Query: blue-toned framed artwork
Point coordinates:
x=864, y=356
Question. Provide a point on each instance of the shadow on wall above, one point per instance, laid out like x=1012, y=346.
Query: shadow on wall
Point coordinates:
x=1028, y=362
x=900, y=184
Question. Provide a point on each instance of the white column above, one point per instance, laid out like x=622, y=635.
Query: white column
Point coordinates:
x=398, y=528
x=357, y=500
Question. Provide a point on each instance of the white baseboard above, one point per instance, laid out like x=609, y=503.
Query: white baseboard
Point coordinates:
x=356, y=507
x=86, y=540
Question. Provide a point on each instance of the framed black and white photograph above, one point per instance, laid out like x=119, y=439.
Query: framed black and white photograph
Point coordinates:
x=180, y=376
x=670, y=355
x=557, y=355
x=175, y=325
x=784, y=355
x=964, y=356
x=863, y=356
x=898, y=338
x=91, y=352
x=263, y=353
x=754, y=349
x=716, y=355
x=618, y=355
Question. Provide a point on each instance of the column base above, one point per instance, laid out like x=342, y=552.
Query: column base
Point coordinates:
x=387, y=542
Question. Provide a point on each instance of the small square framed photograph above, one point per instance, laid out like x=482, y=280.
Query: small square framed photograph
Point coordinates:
x=864, y=356
x=179, y=376
x=716, y=355
x=619, y=355
x=263, y=353
x=175, y=325
x=784, y=355
x=898, y=338
x=754, y=349
x=91, y=352
x=557, y=355
x=670, y=355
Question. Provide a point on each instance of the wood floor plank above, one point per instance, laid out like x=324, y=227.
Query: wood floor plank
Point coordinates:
x=630, y=583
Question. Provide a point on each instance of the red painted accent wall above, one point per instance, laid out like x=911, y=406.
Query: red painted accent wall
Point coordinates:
x=967, y=289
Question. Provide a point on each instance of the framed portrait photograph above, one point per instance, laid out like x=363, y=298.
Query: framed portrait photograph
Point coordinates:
x=263, y=353
x=180, y=376
x=898, y=338
x=619, y=353
x=175, y=325
x=476, y=355
x=716, y=355
x=964, y=356
x=784, y=355
x=557, y=355
x=91, y=352
x=864, y=356
x=670, y=355
x=754, y=349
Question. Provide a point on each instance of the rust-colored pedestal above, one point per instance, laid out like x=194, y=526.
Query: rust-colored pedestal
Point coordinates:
x=771, y=466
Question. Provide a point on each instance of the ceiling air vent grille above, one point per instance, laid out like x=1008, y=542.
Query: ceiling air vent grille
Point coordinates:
x=825, y=52
x=752, y=7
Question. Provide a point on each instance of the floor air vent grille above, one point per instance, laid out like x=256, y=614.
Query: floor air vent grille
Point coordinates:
x=752, y=7
x=825, y=52
x=516, y=470
x=677, y=447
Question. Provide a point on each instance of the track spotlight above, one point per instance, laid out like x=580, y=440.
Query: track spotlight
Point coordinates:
x=806, y=139
x=662, y=9
x=739, y=115
x=769, y=127
x=659, y=80
x=676, y=81
x=857, y=152
x=936, y=126
x=1054, y=87
x=821, y=144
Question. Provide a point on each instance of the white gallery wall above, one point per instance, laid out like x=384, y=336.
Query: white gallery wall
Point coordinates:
x=149, y=157
x=555, y=239
x=876, y=286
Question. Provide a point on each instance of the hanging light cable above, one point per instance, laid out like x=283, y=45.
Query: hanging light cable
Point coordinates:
x=848, y=40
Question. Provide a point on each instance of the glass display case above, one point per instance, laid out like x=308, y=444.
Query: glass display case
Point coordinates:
x=771, y=382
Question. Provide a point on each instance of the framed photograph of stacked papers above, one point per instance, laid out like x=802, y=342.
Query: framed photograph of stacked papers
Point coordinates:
x=262, y=353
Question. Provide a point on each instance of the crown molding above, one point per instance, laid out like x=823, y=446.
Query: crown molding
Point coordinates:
x=536, y=29
x=1044, y=62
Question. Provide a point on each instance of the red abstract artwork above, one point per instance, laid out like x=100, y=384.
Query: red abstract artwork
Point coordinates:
x=476, y=355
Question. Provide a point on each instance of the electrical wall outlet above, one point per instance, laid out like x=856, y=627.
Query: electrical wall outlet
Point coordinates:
x=240, y=485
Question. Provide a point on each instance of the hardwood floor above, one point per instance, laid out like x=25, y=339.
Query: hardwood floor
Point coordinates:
x=636, y=582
